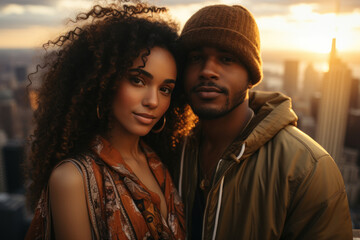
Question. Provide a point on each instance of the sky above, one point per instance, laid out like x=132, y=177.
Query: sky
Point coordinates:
x=302, y=25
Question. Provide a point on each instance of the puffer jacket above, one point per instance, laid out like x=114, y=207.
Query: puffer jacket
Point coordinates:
x=274, y=183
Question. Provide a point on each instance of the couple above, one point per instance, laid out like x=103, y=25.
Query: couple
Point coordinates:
x=116, y=91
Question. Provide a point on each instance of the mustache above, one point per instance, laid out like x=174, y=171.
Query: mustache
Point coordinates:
x=209, y=84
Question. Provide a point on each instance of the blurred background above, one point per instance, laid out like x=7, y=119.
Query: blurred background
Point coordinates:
x=310, y=50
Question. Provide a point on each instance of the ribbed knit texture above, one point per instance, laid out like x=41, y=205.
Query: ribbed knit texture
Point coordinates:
x=231, y=28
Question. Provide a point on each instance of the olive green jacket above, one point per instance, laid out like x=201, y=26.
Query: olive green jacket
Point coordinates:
x=274, y=182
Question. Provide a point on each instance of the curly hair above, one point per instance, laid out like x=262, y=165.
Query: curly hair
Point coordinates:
x=81, y=72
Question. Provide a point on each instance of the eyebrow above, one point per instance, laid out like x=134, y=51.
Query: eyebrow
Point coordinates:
x=169, y=81
x=142, y=71
x=149, y=75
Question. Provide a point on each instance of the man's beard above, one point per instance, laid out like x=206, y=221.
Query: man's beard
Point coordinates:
x=207, y=113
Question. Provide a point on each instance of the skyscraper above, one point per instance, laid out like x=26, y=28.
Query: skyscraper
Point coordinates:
x=334, y=106
x=3, y=140
x=8, y=116
x=20, y=73
x=311, y=82
x=291, y=72
x=354, y=95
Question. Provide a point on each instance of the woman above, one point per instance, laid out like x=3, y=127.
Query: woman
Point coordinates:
x=106, y=85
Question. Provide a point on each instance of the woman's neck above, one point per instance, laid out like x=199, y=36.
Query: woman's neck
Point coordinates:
x=126, y=144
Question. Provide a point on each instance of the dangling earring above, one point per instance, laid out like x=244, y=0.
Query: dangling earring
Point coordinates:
x=98, y=112
x=160, y=129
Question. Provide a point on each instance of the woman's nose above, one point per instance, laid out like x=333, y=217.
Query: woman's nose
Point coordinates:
x=151, y=99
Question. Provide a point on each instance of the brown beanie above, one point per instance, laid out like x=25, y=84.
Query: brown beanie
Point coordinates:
x=231, y=28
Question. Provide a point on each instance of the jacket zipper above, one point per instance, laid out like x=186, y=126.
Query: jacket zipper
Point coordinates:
x=212, y=186
x=207, y=199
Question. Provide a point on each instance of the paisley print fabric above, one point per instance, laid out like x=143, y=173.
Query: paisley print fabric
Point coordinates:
x=119, y=204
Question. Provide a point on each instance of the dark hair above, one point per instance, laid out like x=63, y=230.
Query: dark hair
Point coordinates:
x=82, y=73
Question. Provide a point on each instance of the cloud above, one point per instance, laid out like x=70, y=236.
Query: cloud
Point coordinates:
x=267, y=9
x=22, y=16
x=176, y=2
x=261, y=8
x=282, y=22
x=13, y=9
x=322, y=6
x=26, y=20
x=28, y=2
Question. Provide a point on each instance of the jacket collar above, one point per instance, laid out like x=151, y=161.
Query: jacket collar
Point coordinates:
x=273, y=112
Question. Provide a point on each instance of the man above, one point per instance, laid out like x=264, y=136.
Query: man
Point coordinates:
x=246, y=171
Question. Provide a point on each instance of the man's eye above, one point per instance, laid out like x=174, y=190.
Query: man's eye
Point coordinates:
x=194, y=58
x=228, y=59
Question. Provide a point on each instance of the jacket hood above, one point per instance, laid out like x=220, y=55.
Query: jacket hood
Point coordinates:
x=273, y=112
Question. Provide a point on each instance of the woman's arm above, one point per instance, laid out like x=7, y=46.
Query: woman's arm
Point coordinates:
x=68, y=203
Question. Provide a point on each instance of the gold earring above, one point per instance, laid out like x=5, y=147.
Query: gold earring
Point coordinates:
x=160, y=129
x=98, y=112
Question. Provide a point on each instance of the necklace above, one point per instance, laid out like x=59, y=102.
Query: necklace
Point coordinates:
x=205, y=182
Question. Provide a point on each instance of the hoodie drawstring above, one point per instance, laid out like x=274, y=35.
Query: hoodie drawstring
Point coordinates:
x=220, y=194
x=221, y=185
x=182, y=167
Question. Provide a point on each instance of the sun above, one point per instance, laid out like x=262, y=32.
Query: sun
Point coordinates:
x=305, y=29
x=318, y=37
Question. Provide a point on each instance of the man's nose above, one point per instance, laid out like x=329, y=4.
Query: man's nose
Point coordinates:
x=209, y=70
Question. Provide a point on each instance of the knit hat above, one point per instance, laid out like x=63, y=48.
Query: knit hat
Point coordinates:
x=231, y=28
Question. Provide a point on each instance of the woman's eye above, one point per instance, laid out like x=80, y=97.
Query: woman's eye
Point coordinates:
x=137, y=81
x=166, y=90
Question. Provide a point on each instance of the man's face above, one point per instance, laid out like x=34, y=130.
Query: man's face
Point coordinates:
x=215, y=82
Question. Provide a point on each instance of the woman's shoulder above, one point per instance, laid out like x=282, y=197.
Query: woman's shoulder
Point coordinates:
x=68, y=202
x=66, y=177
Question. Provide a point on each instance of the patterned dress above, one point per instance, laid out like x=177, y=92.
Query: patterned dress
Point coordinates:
x=120, y=206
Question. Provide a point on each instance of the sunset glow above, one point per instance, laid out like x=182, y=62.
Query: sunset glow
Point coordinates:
x=301, y=27
x=304, y=29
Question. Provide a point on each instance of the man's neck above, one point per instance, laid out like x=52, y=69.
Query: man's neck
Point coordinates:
x=221, y=132
x=217, y=135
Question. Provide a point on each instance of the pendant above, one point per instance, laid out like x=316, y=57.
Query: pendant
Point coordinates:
x=204, y=184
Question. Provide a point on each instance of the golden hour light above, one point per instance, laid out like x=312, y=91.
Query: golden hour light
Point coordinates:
x=28, y=39
x=259, y=117
x=33, y=99
x=183, y=12
x=304, y=29
x=298, y=27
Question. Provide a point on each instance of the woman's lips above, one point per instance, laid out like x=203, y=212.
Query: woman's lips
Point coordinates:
x=144, y=118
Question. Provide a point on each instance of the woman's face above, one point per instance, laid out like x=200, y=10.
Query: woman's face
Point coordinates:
x=144, y=94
